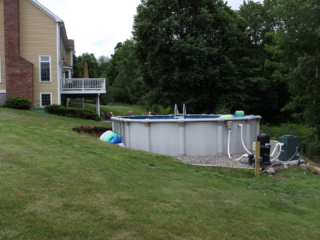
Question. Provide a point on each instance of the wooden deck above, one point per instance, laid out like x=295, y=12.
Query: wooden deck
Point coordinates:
x=83, y=86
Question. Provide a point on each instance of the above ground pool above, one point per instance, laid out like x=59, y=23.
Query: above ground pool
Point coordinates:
x=188, y=135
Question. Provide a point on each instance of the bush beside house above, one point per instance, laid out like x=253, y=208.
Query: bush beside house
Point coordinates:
x=18, y=103
x=72, y=112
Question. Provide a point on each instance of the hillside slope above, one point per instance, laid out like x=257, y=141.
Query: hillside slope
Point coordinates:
x=59, y=184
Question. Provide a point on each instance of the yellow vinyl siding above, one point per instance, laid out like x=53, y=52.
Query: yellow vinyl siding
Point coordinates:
x=68, y=53
x=2, y=50
x=38, y=37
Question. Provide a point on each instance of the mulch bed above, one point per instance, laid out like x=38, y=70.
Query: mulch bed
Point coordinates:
x=91, y=129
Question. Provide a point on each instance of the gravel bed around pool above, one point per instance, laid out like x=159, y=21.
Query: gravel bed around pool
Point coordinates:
x=223, y=161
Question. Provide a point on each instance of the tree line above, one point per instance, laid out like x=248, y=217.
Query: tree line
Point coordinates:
x=263, y=58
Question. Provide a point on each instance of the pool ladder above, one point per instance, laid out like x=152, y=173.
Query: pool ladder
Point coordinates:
x=176, y=112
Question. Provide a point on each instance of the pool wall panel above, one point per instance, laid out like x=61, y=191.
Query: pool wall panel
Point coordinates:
x=201, y=139
x=164, y=139
x=180, y=137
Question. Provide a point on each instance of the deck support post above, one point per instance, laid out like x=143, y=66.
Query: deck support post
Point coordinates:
x=256, y=159
x=98, y=104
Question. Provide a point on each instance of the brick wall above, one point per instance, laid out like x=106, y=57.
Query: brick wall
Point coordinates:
x=19, y=71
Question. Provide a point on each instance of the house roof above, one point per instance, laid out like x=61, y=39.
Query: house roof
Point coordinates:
x=57, y=20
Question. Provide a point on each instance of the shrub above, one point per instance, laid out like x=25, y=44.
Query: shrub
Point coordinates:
x=89, y=101
x=72, y=112
x=155, y=109
x=313, y=151
x=166, y=111
x=306, y=134
x=222, y=109
x=18, y=103
x=103, y=114
x=55, y=109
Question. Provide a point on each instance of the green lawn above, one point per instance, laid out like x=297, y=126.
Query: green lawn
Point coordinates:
x=58, y=184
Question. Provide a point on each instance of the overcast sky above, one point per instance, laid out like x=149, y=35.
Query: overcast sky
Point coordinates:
x=98, y=25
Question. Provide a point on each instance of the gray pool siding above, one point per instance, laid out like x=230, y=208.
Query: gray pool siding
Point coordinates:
x=187, y=137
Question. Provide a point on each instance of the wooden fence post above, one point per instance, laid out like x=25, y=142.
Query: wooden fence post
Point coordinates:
x=256, y=159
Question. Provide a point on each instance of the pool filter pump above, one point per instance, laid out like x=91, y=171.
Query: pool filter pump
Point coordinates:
x=264, y=159
x=264, y=140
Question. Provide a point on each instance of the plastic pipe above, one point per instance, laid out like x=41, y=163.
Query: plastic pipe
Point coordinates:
x=293, y=155
x=281, y=163
x=243, y=155
x=241, y=134
x=229, y=134
x=280, y=145
x=271, y=166
x=275, y=148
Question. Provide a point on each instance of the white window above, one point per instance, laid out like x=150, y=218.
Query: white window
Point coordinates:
x=66, y=74
x=45, y=68
x=45, y=99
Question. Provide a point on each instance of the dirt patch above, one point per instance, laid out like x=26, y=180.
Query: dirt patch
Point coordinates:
x=278, y=175
x=91, y=129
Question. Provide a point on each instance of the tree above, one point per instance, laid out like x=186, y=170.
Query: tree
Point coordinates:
x=103, y=62
x=260, y=21
x=296, y=56
x=123, y=73
x=191, y=52
x=273, y=94
x=93, y=65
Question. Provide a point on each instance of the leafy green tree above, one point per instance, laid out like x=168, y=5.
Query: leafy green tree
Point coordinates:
x=267, y=95
x=75, y=73
x=103, y=62
x=191, y=52
x=260, y=20
x=296, y=56
x=118, y=46
x=123, y=73
x=93, y=66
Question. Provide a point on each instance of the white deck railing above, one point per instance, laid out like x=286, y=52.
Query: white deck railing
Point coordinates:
x=90, y=85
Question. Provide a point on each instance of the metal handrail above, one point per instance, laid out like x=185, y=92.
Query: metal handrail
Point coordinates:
x=176, y=111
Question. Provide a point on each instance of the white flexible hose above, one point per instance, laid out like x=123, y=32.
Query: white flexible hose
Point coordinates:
x=280, y=146
x=282, y=163
x=244, y=155
x=240, y=125
x=275, y=148
x=229, y=134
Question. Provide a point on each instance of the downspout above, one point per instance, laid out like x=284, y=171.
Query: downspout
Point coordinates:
x=58, y=62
